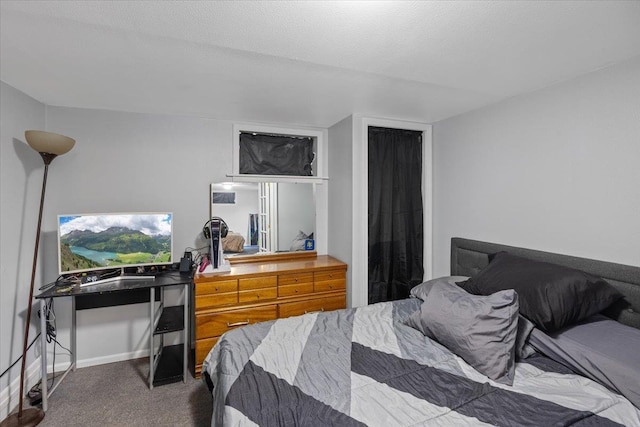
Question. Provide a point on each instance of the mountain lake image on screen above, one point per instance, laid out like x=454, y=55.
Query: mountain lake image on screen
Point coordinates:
x=90, y=242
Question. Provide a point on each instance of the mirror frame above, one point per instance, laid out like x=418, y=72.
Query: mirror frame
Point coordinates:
x=279, y=256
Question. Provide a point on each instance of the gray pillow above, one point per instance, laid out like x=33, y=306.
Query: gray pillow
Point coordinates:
x=480, y=329
x=523, y=349
x=599, y=348
x=422, y=290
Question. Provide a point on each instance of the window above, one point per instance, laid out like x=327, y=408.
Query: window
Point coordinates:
x=223, y=197
x=265, y=153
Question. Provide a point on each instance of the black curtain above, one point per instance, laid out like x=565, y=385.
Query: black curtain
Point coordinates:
x=395, y=213
x=265, y=154
x=253, y=229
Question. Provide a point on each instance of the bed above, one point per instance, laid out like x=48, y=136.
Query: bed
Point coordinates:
x=372, y=366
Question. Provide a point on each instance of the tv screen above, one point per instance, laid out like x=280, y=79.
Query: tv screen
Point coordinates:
x=90, y=242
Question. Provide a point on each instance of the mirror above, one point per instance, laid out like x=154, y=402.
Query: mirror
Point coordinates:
x=265, y=217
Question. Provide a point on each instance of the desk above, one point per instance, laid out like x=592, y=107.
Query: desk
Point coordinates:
x=161, y=320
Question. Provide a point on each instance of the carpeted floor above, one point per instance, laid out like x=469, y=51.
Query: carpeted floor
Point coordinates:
x=117, y=394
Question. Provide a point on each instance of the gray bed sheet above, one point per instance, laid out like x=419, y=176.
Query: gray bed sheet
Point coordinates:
x=598, y=348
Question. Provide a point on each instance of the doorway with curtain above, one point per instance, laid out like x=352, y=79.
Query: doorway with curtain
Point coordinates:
x=395, y=213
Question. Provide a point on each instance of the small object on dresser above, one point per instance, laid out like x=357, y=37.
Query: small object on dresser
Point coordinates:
x=64, y=289
x=204, y=263
x=89, y=278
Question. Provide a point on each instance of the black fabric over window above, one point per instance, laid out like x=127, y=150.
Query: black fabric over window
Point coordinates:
x=223, y=197
x=264, y=154
x=395, y=213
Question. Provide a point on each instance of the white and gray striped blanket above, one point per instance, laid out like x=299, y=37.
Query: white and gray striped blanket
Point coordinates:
x=365, y=366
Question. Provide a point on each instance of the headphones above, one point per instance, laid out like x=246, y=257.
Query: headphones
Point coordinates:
x=224, y=228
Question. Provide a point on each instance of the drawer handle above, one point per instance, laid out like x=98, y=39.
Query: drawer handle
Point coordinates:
x=231, y=325
x=311, y=312
x=296, y=279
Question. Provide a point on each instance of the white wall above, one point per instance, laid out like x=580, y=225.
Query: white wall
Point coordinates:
x=21, y=171
x=296, y=212
x=339, y=186
x=124, y=162
x=555, y=170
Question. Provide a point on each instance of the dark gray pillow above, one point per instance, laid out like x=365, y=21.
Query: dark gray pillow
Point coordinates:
x=422, y=290
x=551, y=296
x=599, y=348
x=481, y=330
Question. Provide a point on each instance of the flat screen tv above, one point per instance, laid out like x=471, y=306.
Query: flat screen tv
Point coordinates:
x=92, y=242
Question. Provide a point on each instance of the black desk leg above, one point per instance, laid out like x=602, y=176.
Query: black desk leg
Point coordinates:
x=152, y=316
x=43, y=354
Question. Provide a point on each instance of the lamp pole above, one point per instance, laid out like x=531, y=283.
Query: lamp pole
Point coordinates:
x=49, y=146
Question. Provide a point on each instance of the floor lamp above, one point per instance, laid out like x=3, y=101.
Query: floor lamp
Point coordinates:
x=49, y=145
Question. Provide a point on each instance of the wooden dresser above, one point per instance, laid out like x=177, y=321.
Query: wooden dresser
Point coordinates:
x=260, y=288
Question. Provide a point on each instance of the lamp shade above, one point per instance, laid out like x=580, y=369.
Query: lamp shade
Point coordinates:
x=49, y=142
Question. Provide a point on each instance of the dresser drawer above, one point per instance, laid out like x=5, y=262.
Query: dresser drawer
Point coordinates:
x=291, y=290
x=203, y=347
x=258, y=282
x=216, y=300
x=332, y=280
x=220, y=287
x=216, y=324
x=256, y=295
x=295, y=279
x=311, y=305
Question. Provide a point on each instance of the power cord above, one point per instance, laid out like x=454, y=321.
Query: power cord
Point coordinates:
x=35, y=394
x=19, y=358
x=198, y=254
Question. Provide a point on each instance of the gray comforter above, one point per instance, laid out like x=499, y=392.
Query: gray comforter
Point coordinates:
x=365, y=366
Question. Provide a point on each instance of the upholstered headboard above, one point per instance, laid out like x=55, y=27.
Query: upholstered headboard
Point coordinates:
x=468, y=257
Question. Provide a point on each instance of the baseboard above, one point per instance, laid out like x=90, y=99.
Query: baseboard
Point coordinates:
x=9, y=397
x=94, y=361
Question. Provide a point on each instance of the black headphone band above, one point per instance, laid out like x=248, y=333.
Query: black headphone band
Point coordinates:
x=224, y=228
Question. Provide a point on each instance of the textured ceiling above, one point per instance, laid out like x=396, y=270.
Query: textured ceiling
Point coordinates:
x=308, y=63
